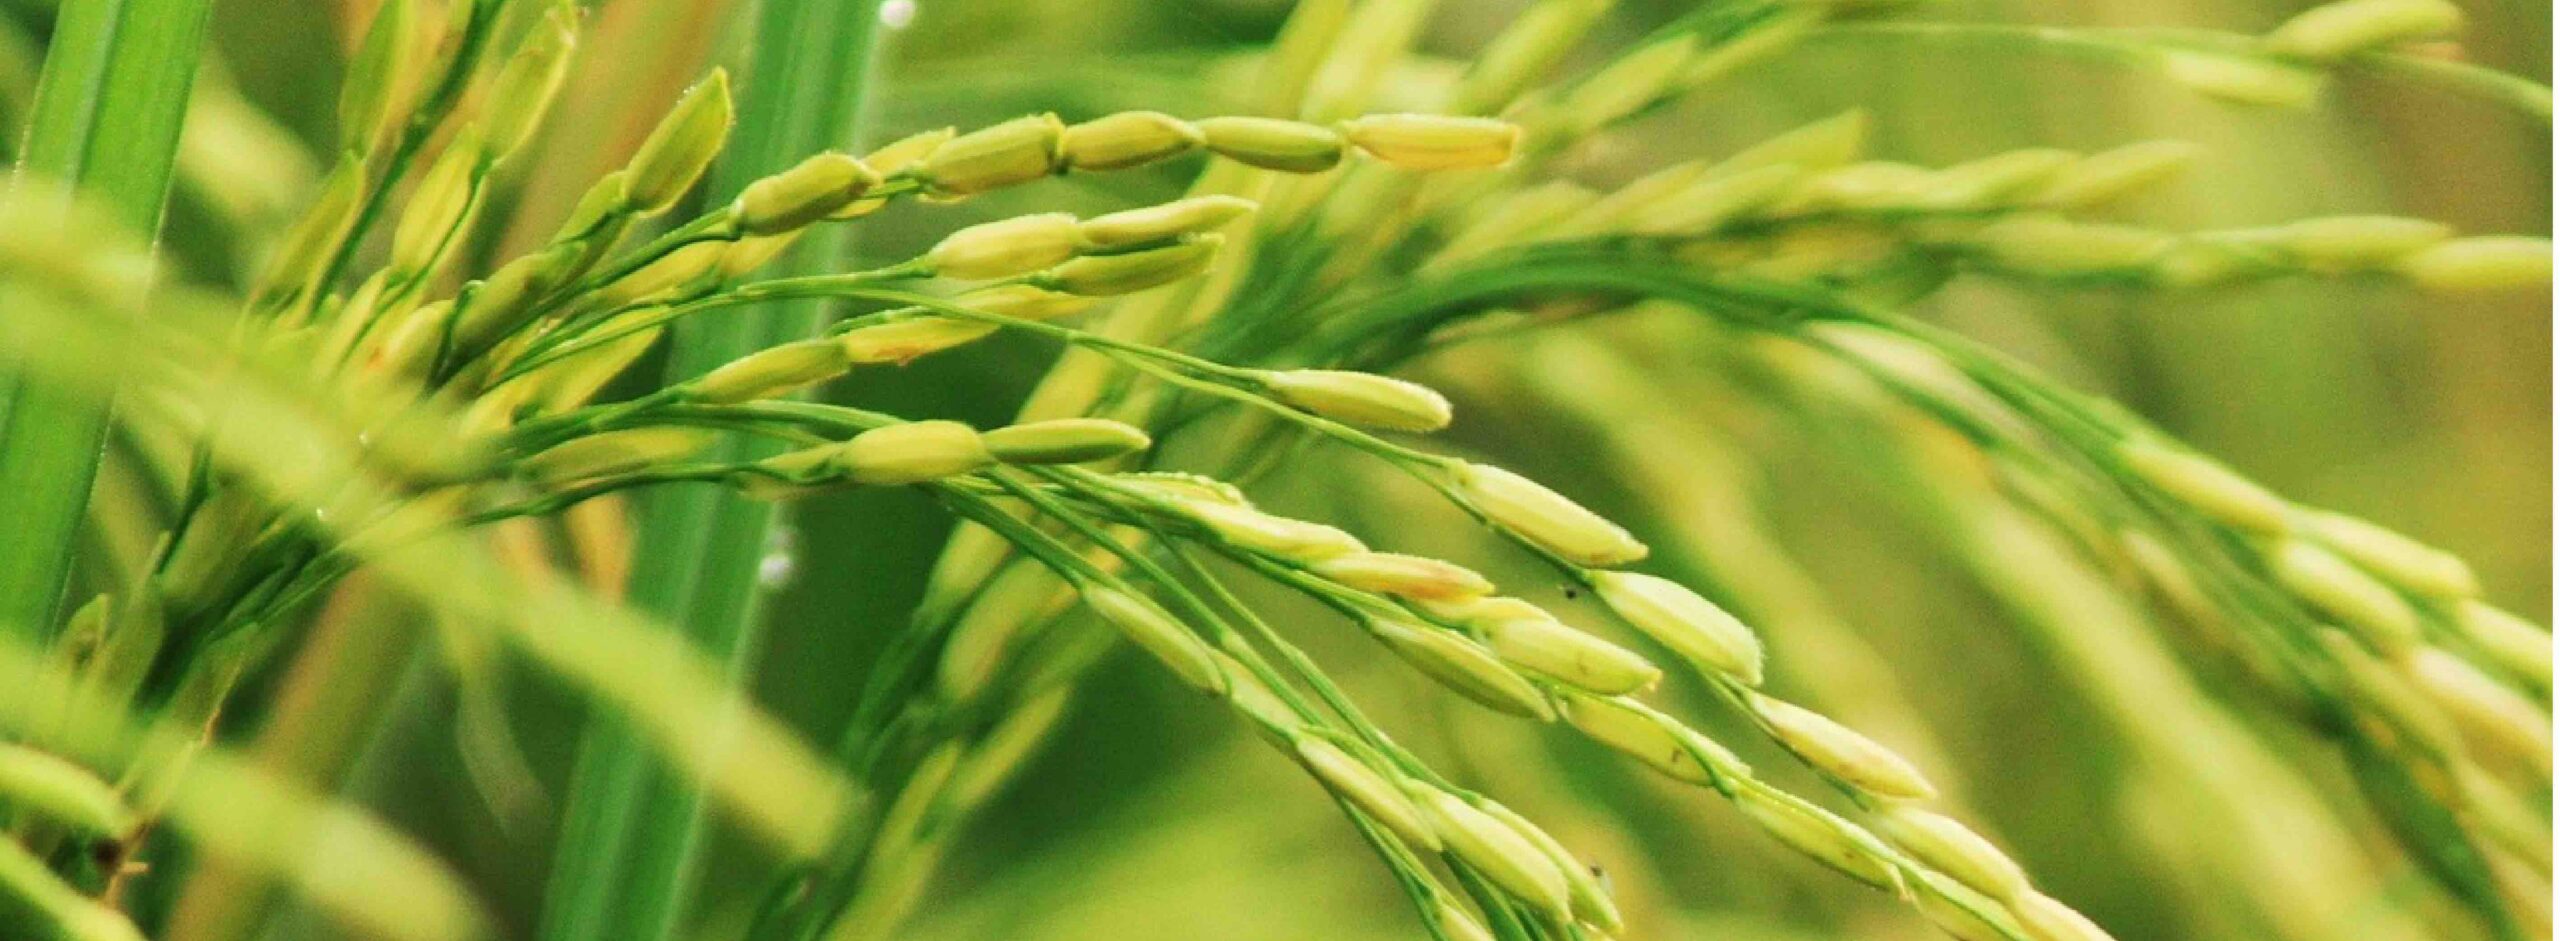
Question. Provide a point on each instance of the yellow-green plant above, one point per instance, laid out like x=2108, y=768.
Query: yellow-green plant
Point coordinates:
x=391, y=387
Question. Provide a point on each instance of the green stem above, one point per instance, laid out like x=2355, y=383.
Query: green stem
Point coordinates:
x=109, y=105
x=631, y=844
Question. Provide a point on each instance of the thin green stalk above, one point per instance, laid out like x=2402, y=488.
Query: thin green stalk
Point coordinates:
x=109, y=105
x=632, y=838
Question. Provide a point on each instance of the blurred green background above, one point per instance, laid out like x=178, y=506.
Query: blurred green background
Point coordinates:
x=1149, y=818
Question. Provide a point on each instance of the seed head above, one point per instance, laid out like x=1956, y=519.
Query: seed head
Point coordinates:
x=1628, y=85
x=2207, y=487
x=1545, y=518
x=1647, y=736
x=1682, y=620
x=683, y=270
x=914, y=452
x=1187, y=488
x=379, y=73
x=1534, y=42
x=771, y=372
x=2108, y=175
x=2337, y=588
x=1360, y=398
x=2049, y=920
x=1404, y=576
x=1129, y=139
x=1020, y=594
x=1967, y=920
x=2517, y=645
x=1016, y=151
x=906, y=153
x=1273, y=144
x=304, y=247
x=2052, y=246
x=2356, y=243
x=812, y=190
x=443, y=199
x=1131, y=272
x=1024, y=302
x=2406, y=562
x=1953, y=848
x=1156, y=632
x=2387, y=693
x=904, y=340
x=2334, y=31
x=1065, y=441
x=1832, y=142
x=1505, y=857
x=1252, y=699
x=1464, y=667
x=1818, y=834
x=1455, y=924
x=1991, y=181
x=1007, y=247
x=895, y=159
x=614, y=452
x=1197, y=215
x=1279, y=537
x=1867, y=186
x=497, y=306
x=1368, y=790
x=2242, y=79
x=531, y=80
x=751, y=252
x=1715, y=199
x=1551, y=649
x=1842, y=752
x=601, y=208
x=2501, y=722
x=2481, y=263
x=676, y=153
x=1589, y=900
x=1528, y=213
x=1433, y=142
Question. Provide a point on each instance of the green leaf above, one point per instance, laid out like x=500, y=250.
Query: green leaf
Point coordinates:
x=632, y=834
x=109, y=105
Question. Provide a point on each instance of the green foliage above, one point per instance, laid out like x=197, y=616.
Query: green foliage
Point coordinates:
x=1781, y=509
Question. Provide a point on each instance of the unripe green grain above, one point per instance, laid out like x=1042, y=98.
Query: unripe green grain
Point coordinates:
x=1274, y=144
x=905, y=340
x=1129, y=139
x=1505, y=857
x=1159, y=635
x=1017, y=151
x=1361, y=398
x=1842, y=751
x=681, y=147
x=913, y=452
x=1131, y=272
x=1065, y=441
x=1684, y=621
x=1463, y=666
x=771, y=372
x=1007, y=247
x=814, y=189
x=1197, y=215
x=1545, y=518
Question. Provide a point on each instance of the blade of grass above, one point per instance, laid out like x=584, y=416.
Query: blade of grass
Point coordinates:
x=632, y=837
x=109, y=105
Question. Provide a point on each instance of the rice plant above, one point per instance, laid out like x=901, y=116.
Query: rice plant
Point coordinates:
x=854, y=470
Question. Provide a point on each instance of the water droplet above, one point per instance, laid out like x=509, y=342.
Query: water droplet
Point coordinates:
x=896, y=14
x=781, y=559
